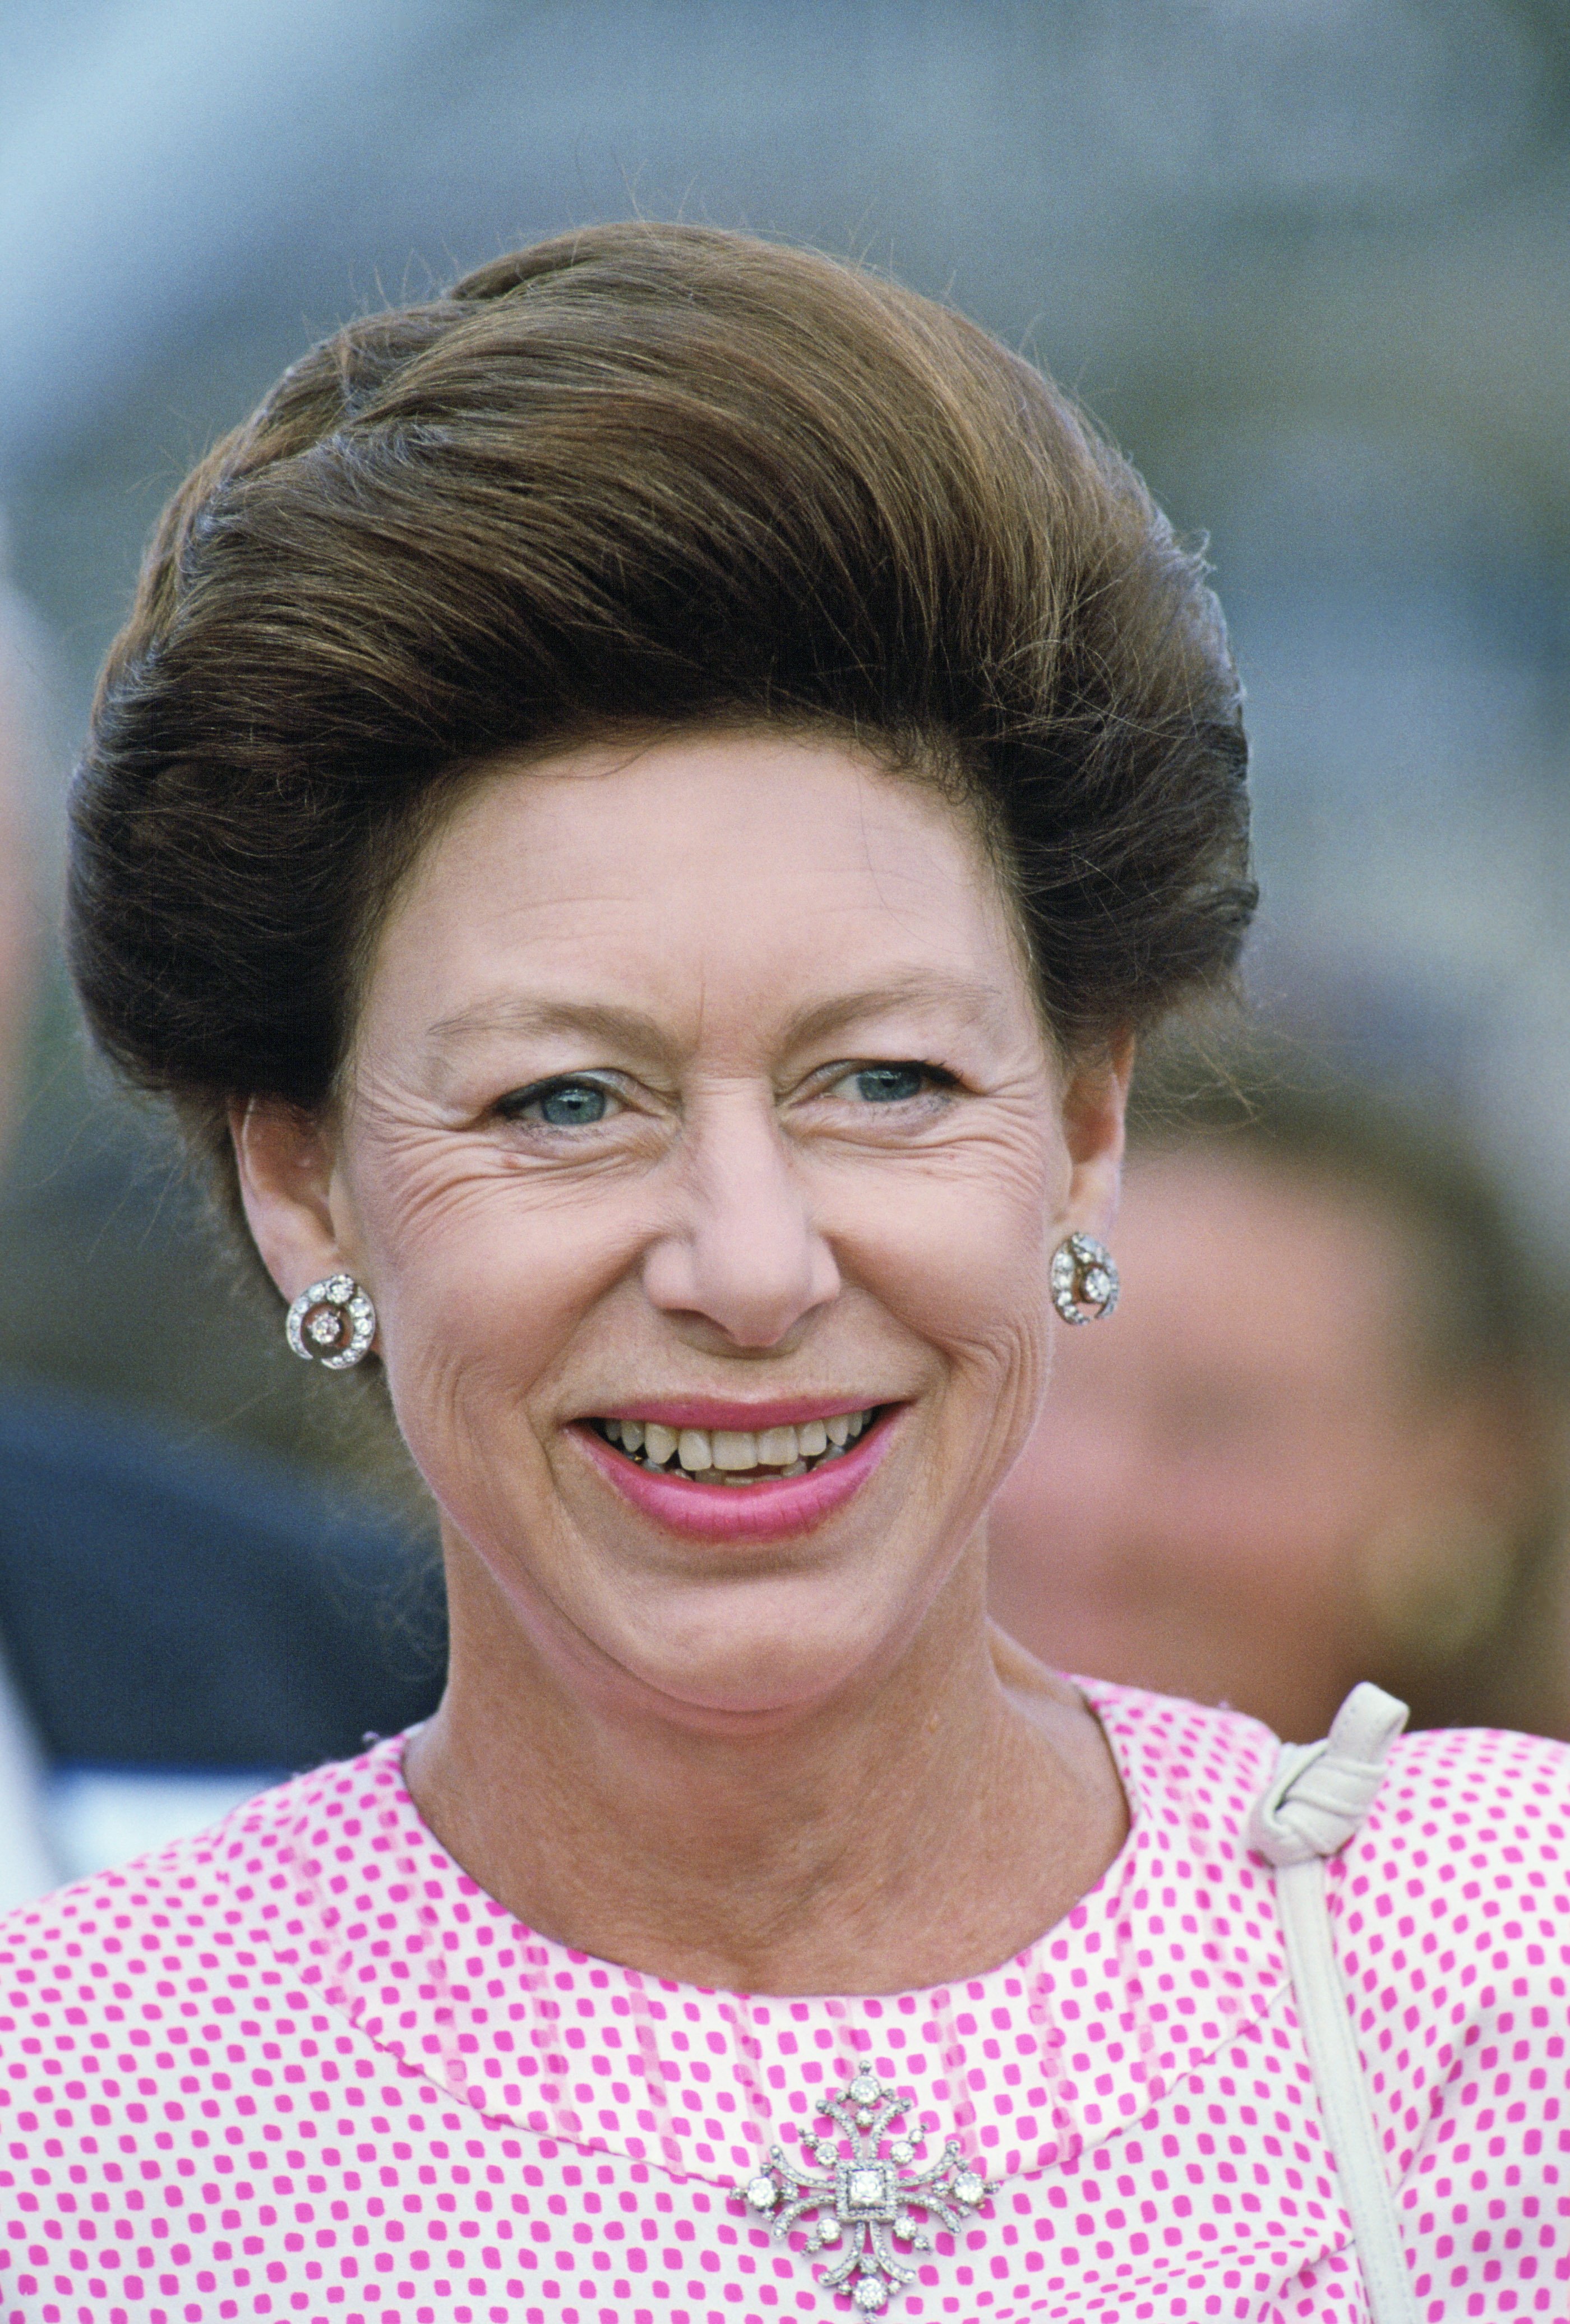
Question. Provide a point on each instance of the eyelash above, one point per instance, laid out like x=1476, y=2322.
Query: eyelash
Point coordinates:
x=935, y=1079
x=513, y=1107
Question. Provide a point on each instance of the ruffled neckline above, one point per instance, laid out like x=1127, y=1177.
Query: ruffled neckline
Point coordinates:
x=1173, y=1954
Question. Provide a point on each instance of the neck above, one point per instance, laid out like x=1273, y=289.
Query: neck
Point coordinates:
x=921, y=1827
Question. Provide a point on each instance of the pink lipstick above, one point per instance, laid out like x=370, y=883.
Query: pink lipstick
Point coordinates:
x=763, y=1508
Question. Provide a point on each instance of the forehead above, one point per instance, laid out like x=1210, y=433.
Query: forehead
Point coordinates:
x=725, y=872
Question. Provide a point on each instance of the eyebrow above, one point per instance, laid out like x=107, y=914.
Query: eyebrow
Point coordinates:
x=980, y=1004
x=631, y=1027
x=634, y=1029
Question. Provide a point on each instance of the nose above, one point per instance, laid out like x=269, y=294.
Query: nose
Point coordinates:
x=744, y=1254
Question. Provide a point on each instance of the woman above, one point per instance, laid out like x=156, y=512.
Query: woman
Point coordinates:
x=1327, y=1437
x=638, y=814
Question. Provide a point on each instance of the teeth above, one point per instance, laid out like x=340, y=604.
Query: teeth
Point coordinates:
x=659, y=1442
x=733, y=1456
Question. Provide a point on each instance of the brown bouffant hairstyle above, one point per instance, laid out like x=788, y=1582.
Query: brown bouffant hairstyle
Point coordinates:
x=639, y=478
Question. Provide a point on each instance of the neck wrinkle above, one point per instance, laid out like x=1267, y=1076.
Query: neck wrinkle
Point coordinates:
x=796, y=1859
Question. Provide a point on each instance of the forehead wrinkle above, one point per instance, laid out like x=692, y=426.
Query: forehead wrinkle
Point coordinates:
x=984, y=1006
x=631, y=1029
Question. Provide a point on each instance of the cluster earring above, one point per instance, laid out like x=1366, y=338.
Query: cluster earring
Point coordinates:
x=333, y=1323
x=1083, y=1279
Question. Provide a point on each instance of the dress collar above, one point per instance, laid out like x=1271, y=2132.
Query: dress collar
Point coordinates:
x=1174, y=1954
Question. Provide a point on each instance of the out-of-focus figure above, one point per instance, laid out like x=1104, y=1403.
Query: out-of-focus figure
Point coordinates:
x=179, y=1626
x=1320, y=1441
x=27, y=1862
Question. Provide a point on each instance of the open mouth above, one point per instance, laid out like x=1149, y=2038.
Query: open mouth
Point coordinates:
x=724, y=1456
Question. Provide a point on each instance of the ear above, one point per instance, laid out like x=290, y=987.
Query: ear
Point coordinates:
x=1094, y=1110
x=285, y=1162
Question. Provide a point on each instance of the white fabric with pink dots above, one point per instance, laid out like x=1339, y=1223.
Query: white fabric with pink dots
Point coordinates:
x=304, y=2067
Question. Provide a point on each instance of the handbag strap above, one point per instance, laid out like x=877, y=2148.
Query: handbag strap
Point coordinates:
x=1312, y=1806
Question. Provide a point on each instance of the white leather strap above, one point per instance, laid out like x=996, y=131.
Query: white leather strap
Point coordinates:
x=1313, y=1804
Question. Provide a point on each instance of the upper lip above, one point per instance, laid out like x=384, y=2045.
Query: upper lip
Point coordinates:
x=715, y=1412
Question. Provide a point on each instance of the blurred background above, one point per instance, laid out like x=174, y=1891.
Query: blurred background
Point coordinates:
x=1308, y=263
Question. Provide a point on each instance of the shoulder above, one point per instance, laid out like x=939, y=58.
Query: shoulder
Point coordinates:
x=1461, y=1871
x=1464, y=1811
x=1173, y=1756
x=1472, y=1780
x=1452, y=1915
x=215, y=1915
x=1466, y=1853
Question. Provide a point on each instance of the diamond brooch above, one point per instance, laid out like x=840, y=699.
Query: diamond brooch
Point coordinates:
x=863, y=2199
x=1083, y=1279
x=333, y=1323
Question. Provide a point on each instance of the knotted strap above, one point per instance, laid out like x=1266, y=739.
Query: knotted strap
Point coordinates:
x=1321, y=1792
x=1311, y=1807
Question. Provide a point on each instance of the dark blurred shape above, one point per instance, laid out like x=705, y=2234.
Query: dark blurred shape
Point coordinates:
x=179, y=1623
x=165, y=1610
x=1324, y=1437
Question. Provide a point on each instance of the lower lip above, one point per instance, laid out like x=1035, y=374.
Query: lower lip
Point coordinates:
x=762, y=1512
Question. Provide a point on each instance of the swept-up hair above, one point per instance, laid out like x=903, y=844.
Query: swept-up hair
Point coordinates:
x=645, y=478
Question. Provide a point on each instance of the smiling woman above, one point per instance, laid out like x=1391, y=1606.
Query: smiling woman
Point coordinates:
x=638, y=816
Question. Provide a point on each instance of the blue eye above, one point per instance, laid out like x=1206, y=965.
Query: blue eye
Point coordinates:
x=572, y=1106
x=889, y=1084
x=561, y=1105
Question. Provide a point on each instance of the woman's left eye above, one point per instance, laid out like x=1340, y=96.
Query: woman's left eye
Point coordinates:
x=560, y=1105
x=891, y=1084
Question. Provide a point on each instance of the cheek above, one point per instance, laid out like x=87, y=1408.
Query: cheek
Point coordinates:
x=480, y=1280
x=960, y=1251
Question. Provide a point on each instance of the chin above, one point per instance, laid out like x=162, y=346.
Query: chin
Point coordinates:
x=755, y=1672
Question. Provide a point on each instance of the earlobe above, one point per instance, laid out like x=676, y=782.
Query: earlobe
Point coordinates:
x=284, y=1160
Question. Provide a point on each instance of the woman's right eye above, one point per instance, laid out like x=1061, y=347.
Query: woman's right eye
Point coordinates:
x=559, y=1105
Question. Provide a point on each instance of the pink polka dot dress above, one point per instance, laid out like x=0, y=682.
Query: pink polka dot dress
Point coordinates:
x=303, y=2068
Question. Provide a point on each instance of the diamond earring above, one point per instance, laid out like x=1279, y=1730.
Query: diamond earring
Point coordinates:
x=1083, y=1271
x=333, y=1323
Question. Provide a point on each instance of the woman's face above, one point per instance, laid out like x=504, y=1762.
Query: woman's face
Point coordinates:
x=698, y=1109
